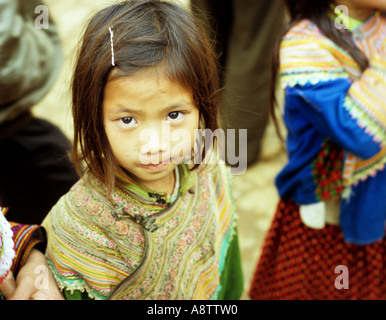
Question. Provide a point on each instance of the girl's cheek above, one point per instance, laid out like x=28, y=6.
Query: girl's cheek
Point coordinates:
x=132, y=154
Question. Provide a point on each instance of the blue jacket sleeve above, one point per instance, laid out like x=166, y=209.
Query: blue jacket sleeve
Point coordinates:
x=322, y=105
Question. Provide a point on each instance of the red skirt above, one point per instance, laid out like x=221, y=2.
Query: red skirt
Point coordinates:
x=300, y=263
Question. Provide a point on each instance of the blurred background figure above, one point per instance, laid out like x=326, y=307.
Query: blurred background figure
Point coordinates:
x=35, y=170
x=245, y=32
x=331, y=215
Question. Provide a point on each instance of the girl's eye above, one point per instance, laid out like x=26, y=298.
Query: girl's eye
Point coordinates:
x=175, y=115
x=128, y=121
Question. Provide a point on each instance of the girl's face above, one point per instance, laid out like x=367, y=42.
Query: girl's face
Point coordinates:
x=150, y=124
x=362, y=9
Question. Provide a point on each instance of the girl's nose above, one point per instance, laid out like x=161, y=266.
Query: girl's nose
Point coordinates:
x=152, y=142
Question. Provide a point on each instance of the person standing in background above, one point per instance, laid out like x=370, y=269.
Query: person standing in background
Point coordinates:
x=245, y=32
x=35, y=169
x=327, y=237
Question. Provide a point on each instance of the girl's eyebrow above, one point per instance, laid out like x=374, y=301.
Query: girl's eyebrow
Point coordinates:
x=123, y=109
x=174, y=107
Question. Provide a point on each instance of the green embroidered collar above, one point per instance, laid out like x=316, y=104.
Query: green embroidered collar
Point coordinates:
x=147, y=195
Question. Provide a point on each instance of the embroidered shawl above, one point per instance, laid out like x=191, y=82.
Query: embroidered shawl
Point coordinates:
x=135, y=245
x=307, y=56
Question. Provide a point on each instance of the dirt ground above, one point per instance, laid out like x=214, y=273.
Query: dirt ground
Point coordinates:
x=254, y=193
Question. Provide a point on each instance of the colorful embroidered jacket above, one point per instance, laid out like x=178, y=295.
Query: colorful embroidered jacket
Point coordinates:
x=336, y=121
x=16, y=242
x=136, y=245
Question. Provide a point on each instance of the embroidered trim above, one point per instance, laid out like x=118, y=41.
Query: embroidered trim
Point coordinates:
x=364, y=121
x=327, y=171
x=291, y=80
x=25, y=238
x=357, y=170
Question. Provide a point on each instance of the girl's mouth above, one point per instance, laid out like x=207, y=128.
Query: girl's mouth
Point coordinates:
x=155, y=167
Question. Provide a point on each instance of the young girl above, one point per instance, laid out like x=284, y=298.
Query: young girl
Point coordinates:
x=326, y=240
x=141, y=224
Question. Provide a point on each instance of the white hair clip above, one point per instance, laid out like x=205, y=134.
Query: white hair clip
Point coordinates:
x=112, y=45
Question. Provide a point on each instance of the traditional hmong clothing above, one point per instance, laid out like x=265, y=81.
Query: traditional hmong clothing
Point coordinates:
x=16, y=242
x=336, y=121
x=136, y=244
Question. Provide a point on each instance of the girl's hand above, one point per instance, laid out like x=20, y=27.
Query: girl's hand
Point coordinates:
x=33, y=282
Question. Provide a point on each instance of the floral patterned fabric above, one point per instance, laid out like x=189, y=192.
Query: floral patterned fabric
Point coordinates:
x=135, y=245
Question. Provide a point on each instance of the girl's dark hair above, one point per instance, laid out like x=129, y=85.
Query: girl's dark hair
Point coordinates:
x=316, y=12
x=147, y=34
